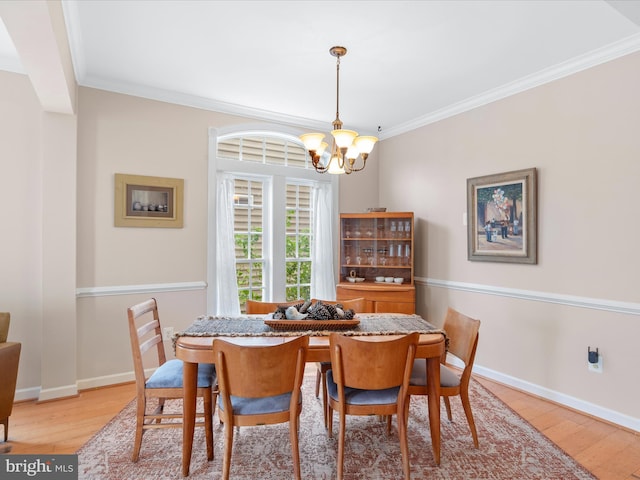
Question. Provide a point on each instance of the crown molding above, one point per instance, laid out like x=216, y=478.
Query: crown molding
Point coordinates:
x=596, y=57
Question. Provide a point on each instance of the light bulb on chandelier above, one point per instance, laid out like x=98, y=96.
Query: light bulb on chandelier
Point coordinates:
x=347, y=146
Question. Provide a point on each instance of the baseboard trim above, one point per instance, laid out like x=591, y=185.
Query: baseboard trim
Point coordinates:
x=532, y=295
x=569, y=300
x=106, y=380
x=138, y=289
x=560, y=398
x=24, y=394
x=58, y=392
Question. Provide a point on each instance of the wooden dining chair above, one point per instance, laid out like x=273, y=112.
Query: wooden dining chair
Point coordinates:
x=166, y=381
x=260, y=385
x=357, y=305
x=256, y=307
x=462, y=333
x=370, y=377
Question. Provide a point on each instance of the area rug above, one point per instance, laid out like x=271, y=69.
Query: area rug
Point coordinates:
x=510, y=448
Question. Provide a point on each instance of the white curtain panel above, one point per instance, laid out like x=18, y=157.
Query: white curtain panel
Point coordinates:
x=227, y=302
x=323, y=283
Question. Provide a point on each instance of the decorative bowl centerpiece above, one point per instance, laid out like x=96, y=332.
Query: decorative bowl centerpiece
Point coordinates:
x=312, y=316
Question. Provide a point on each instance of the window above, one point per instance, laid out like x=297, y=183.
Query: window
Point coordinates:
x=273, y=214
x=248, y=233
x=298, y=242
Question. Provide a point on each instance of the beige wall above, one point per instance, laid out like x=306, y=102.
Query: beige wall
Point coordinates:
x=21, y=219
x=124, y=134
x=581, y=133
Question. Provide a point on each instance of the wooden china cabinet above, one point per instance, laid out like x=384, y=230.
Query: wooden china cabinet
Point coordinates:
x=376, y=260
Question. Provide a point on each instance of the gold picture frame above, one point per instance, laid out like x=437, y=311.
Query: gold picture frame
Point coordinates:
x=142, y=201
x=502, y=217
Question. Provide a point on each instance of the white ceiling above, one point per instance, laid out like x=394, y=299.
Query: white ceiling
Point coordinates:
x=409, y=62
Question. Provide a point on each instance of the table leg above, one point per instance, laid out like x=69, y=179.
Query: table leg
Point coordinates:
x=190, y=379
x=433, y=389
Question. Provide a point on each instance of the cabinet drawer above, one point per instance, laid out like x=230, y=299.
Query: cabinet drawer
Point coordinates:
x=394, y=307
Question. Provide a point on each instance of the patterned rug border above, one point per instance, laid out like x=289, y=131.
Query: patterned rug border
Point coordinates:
x=502, y=454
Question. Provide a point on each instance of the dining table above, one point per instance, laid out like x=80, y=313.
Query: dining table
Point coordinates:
x=194, y=346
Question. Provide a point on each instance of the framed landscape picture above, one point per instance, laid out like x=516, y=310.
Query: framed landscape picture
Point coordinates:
x=142, y=201
x=502, y=217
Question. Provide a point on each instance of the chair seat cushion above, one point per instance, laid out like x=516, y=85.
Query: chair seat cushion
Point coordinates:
x=169, y=375
x=257, y=406
x=356, y=396
x=448, y=377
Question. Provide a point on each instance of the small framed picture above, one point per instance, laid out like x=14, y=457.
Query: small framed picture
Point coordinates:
x=142, y=201
x=502, y=217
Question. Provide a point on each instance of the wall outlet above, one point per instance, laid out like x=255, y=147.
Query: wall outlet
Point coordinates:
x=167, y=333
x=596, y=367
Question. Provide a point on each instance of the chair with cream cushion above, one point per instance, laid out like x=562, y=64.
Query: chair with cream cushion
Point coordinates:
x=462, y=334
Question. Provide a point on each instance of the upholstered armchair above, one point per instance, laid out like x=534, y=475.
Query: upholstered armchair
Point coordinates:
x=9, y=358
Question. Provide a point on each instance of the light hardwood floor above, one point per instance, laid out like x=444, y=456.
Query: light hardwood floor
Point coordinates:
x=63, y=426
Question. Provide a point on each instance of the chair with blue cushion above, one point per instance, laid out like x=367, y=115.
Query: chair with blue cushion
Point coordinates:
x=260, y=385
x=358, y=305
x=462, y=334
x=370, y=377
x=166, y=381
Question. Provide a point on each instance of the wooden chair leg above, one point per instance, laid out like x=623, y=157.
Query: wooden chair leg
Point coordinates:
x=404, y=443
x=208, y=425
x=228, y=447
x=464, y=397
x=341, y=435
x=447, y=405
x=325, y=401
x=137, y=442
x=295, y=451
x=5, y=422
x=318, y=379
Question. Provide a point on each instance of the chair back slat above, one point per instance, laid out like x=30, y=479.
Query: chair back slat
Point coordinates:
x=150, y=343
x=371, y=365
x=153, y=325
x=256, y=307
x=141, y=342
x=264, y=371
x=462, y=332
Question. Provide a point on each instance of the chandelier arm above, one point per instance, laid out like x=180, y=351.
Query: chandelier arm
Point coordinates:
x=319, y=168
x=364, y=164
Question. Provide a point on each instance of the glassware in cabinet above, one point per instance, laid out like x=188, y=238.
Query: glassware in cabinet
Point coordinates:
x=377, y=245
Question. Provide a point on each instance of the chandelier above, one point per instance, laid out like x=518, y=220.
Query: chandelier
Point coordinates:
x=347, y=146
